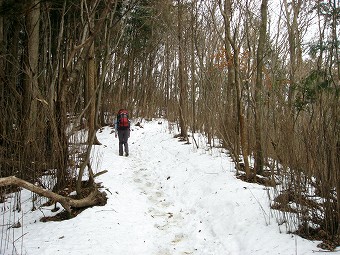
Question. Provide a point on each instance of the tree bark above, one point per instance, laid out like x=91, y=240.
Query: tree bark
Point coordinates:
x=2, y=77
x=91, y=84
x=235, y=74
x=181, y=83
x=294, y=41
x=259, y=89
x=29, y=107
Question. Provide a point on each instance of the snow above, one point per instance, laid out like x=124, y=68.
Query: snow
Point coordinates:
x=166, y=198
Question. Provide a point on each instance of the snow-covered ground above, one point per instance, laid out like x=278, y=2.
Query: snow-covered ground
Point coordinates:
x=166, y=198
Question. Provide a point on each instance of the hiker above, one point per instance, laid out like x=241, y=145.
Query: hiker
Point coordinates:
x=122, y=127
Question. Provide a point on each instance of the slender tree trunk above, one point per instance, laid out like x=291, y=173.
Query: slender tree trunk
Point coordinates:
x=167, y=78
x=235, y=73
x=2, y=79
x=335, y=39
x=31, y=75
x=294, y=47
x=335, y=73
x=181, y=82
x=259, y=89
x=242, y=123
x=231, y=75
x=193, y=69
x=91, y=84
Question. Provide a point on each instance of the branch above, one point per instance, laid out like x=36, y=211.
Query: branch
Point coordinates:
x=93, y=199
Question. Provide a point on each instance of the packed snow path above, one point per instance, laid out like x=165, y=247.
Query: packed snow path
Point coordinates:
x=166, y=198
x=169, y=198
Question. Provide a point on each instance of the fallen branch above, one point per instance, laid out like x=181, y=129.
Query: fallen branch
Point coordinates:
x=94, y=198
x=100, y=173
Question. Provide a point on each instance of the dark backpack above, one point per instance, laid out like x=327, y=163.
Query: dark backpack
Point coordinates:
x=123, y=121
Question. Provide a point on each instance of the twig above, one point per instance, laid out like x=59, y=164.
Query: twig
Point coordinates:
x=107, y=210
x=19, y=237
x=100, y=173
x=264, y=212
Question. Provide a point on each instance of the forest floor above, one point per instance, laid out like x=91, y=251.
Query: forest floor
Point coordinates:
x=166, y=198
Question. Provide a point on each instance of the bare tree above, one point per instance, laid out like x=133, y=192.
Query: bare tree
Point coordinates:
x=234, y=59
x=259, y=91
x=181, y=73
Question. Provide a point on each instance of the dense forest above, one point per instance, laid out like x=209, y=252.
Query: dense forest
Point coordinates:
x=261, y=77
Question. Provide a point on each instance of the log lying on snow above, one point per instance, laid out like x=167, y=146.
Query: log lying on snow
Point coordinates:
x=96, y=197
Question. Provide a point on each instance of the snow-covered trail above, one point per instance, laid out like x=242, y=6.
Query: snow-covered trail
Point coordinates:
x=179, y=200
x=170, y=178
x=166, y=198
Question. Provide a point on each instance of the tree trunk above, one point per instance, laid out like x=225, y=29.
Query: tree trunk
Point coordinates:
x=2, y=79
x=91, y=84
x=192, y=65
x=30, y=85
x=259, y=89
x=231, y=74
x=294, y=41
x=181, y=83
x=95, y=197
x=242, y=123
x=234, y=61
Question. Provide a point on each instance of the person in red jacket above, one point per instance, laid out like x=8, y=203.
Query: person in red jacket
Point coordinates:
x=122, y=127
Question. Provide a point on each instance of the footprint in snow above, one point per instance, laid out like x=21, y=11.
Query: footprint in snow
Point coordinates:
x=149, y=184
x=137, y=180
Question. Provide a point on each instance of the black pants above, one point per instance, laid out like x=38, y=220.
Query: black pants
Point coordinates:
x=123, y=136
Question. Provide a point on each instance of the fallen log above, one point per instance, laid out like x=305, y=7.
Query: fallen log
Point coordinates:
x=94, y=198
